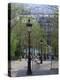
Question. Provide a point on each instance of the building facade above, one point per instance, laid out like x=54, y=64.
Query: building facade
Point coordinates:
x=46, y=23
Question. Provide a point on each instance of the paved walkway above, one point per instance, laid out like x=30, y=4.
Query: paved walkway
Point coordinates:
x=19, y=68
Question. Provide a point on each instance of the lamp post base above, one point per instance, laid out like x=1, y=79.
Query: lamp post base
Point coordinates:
x=29, y=72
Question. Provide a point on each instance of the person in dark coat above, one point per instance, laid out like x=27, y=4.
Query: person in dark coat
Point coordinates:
x=40, y=58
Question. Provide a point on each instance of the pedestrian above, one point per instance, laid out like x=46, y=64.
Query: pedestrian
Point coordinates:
x=39, y=57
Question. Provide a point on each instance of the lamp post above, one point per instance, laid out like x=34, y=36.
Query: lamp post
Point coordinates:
x=41, y=50
x=29, y=27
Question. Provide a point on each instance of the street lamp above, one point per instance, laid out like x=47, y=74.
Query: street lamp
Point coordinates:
x=41, y=50
x=29, y=27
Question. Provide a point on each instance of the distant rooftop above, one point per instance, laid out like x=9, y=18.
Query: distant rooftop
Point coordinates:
x=37, y=8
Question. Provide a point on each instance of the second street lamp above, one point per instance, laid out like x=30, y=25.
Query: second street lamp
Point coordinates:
x=29, y=27
x=41, y=50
